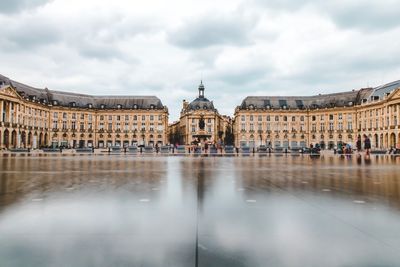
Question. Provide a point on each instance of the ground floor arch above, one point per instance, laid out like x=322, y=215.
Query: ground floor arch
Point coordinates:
x=14, y=138
x=392, y=140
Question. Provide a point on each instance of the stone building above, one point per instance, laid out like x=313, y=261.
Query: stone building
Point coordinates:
x=326, y=119
x=32, y=118
x=200, y=121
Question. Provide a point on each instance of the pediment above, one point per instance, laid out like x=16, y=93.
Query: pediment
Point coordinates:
x=9, y=91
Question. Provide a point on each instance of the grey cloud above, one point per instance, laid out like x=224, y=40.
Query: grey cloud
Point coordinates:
x=242, y=77
x=28, y=35
x=367, y=16
x=361, y=14
x=14, y=6
x=212, y=30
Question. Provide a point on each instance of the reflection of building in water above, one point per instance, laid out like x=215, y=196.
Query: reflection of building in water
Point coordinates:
x=32, y=117
x=346, y=177
x=199, y=121
x=327, y=119
x=45, y=175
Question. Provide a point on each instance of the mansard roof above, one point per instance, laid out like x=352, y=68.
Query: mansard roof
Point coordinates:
x=201, y=103
x=342, y=99
x=68, y=99
x=381, y=91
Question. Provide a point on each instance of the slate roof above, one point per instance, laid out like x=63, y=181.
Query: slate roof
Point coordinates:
x=201, y=102
x=82, y=100
x=381, y=91
x=342, y=99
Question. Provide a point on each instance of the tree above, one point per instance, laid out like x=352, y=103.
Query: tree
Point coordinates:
x=229, y=137
x=176, y=137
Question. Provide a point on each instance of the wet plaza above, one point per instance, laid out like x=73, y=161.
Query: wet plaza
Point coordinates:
x=121, y=210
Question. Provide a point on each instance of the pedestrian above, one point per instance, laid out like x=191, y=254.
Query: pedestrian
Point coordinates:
x=367, y=144
x=358, y=144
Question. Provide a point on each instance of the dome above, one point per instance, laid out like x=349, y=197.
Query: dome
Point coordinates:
x=201, y=103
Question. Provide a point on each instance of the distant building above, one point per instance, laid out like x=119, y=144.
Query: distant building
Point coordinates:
x=33, y=118
x=325, y=119
x=199, y=122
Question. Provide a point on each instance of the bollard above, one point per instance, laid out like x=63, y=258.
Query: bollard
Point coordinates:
x=254, y=150
x=141, y=150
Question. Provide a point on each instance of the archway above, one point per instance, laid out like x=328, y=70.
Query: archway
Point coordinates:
x=23, y=139
x=29, y=142
x=376, y=139
x=392, y=140
x=381, y=141
x=14, y=139
x=40, y=140
x=45, y=139
x=386, y=140
x=6, y=138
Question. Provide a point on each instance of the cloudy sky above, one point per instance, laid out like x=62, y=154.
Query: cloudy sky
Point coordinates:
x=164, y=48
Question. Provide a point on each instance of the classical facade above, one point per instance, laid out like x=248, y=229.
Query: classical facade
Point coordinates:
x=33, y=118
x=199, y=122
x=329, y=119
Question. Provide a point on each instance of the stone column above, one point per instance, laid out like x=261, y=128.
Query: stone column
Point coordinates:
x=18, y=139
x=34, y=143
x=10, y=115
x=1, y=109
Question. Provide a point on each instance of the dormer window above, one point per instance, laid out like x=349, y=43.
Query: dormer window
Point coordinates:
x=251, y=106
x=268, y=107
x=151, y=106
x=204, y=107
x=135, y=106
x=102, y=106
x=119, y=106
x=90, y=105
x=55, y=102
x=72, y=104
x=350, y=103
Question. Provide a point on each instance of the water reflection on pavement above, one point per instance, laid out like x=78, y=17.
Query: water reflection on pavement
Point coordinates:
x=99, y=210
